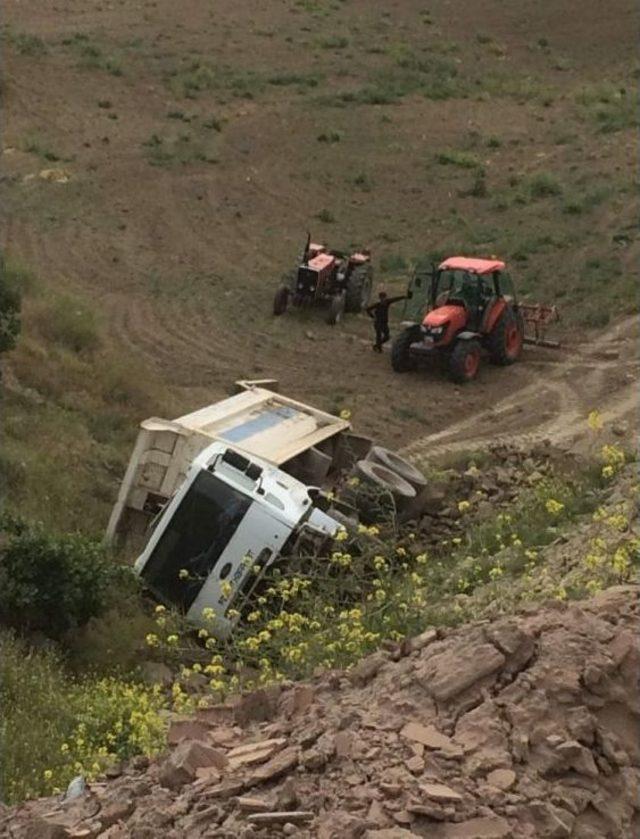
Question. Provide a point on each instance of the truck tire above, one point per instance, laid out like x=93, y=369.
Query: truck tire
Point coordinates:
x=401, y=358
x=505, y=342
x=394, y=463
x=464, y=361
x=336, y=309
x=358, y=290
x=380, y=477
x=281, y=301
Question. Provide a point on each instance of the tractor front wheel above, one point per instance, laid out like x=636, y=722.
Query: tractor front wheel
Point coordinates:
x=281, y=301
x=464, y=361
x=505, y=342
x=336, y=309
x=401, y=359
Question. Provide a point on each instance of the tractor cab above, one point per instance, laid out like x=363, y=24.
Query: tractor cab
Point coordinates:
x=472, y=285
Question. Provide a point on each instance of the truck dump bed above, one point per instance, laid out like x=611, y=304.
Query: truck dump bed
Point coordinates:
x=257, y=421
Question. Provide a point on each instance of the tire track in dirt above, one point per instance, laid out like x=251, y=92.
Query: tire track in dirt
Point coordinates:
x=584, y=380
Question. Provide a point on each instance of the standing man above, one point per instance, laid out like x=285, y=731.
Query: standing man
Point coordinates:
x=380, y=313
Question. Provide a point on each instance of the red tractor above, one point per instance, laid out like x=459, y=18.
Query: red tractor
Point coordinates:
x=327, y=277
x=471, y=306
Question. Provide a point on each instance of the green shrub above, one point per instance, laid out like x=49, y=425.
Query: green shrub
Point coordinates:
x=53, y=728
x=27, y=44
x=329, y=137
x=333, y=42
x=609, y=105
x=10, y=305
x=543, y=185
x=286, y=79
x=51, y=583
x=326, y=216
x=462, y=159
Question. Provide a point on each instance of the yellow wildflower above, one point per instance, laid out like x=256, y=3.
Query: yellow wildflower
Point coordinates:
x=594, y=421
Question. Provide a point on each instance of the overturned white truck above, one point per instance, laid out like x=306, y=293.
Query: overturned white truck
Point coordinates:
x=214, y=498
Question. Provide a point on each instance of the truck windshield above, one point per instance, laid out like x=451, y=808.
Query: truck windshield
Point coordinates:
x=194, y=538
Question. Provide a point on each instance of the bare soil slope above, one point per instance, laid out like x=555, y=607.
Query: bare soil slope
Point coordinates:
x=201, y=141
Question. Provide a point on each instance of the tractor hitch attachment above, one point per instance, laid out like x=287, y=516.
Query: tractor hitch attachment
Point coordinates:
x=537, y=317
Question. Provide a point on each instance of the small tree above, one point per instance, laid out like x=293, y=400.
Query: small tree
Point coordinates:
x=10, y=304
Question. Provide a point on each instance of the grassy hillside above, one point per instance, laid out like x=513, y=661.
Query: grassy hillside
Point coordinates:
x=163, y=163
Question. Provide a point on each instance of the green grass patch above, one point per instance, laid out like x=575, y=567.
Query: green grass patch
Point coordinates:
x=26, y=44
x=90, y=56
x=435, y=77
x=329, y=137
x=609, y=107
x=461, y=159
x=539, y=186
x=326, y=217
x=302, y=81
x=183, y=150
x=69, y=324
x=197, y=77
x=36, y=145
x=393, y=263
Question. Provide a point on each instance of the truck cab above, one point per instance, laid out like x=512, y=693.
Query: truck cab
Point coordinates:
x=231, y=519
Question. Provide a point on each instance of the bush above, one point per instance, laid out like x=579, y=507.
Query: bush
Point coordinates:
x=543, y=185
x=54, y=728
x=464, y=160
x=52, y=583
x=10, y=305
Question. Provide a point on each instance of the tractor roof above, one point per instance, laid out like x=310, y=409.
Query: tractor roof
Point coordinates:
x=474, y=266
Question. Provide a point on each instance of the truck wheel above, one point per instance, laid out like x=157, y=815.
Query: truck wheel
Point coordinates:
x=358, y=290
x=336, y=309
x=383, y=478
x=401, y=358
x=505, y=342
x=280, y=301
x=394, y=463
x=464, y=361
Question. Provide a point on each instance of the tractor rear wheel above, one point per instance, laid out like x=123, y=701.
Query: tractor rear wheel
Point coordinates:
x=358, y=289
x=401, y=359
x=281, y=300
x=505, y=342
x=336, y=309
x=464, y=361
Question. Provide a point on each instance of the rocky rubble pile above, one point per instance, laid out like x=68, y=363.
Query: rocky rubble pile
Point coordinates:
x=522, y=727
x=504, y=474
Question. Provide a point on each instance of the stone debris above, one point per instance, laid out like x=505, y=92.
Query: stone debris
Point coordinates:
x=292, y=817
x=526, y=727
